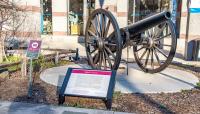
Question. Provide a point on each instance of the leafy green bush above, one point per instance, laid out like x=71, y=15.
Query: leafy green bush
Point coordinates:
x=13, y=68
x=41, y=63
x=198, y=84
x=12, y=59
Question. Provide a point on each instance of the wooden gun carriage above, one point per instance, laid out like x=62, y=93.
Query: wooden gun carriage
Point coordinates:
x=153, y=40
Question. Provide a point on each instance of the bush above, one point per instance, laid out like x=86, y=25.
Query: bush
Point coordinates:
x=12, y=59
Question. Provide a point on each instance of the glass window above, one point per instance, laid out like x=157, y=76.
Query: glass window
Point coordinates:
x=46, y=18
x=75, y=17
x=91, y=6
x=139, y=9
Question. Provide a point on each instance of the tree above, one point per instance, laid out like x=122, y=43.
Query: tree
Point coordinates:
x=11, y=18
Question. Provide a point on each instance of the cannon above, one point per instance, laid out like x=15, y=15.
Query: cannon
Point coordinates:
x=153, y=40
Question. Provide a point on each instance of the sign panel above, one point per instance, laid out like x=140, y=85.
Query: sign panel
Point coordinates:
x=88, y=83
x=195, y=6
x=98, y=84
x=33, y=49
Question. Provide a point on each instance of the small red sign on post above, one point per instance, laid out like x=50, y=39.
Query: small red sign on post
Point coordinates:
x=33, y=48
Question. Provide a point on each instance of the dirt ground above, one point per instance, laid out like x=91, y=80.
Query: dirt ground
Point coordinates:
x=188, y=101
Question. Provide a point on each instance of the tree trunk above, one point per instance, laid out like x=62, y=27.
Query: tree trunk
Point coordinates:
x=1, y=52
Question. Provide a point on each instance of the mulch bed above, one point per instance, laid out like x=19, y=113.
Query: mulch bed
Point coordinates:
x=187, y=101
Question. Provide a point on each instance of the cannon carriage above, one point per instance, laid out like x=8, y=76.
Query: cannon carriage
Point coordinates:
x=153, y=40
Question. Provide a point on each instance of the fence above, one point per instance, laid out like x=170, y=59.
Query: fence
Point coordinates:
x=55, y=56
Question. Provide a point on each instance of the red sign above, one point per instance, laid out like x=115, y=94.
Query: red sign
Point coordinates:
x=97, y=72
x=34, y=48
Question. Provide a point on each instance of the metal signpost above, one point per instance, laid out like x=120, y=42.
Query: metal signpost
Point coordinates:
x=32, y=53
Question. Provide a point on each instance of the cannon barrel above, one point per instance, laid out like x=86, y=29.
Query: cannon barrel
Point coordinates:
x=148, y=22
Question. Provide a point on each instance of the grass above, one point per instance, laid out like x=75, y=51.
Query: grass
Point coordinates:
x=198, y=84
x=117, y=94
x=185, y=91
x=12, y=59
x=13, y=68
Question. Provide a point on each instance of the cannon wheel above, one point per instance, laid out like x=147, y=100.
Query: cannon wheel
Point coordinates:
x=103, y=40
x=152, y=54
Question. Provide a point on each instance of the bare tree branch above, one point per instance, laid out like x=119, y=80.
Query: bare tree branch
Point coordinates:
x=12, y=18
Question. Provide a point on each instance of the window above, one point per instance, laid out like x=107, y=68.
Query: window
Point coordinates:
x=91, y=6
x=75, y=17
x=139, y=9
x=46, y=18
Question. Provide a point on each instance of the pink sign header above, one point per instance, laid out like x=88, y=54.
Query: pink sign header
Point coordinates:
x=96, y=72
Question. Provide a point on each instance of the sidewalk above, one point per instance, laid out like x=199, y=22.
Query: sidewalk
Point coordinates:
x=27, y=108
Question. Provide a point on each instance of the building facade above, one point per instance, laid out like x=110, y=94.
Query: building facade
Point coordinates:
x=60, y=23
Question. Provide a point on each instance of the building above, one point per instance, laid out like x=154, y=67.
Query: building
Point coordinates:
x=60, y=23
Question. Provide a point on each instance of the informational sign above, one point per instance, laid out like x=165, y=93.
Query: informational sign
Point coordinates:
x=88, y=83
x=33, y=49
x=194, y=6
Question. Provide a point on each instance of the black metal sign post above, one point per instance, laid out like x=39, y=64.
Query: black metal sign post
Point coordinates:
x=76, y=84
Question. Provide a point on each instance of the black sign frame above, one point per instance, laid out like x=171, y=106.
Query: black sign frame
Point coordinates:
x=107, y=100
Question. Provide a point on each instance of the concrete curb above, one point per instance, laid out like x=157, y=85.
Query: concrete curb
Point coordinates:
x=28, y=108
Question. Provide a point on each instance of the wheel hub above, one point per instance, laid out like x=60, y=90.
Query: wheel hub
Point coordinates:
x=100, y=44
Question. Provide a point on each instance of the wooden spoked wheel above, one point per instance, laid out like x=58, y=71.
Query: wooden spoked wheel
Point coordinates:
x=157, y=47
x=103, y=40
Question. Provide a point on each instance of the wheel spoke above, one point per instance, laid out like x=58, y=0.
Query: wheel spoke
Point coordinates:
x=95, y=27
x=110, y=52
x=162, y=37
x=161, y=51
x=154, y=32
x=158, y=60
x=108, y=58
x=110, y=44
x=100, y=59
x=103, y=24
x=93, y=34
x=97, y=24
x=104, y=60
x=147, y=58
x=93, y=51
x=152, y=61
x=143, y=54
x=160, y=30
x=167, y=45
x=96, y=58
x=107, y=28
x=140, y=49
x=89, y=42
x=148, y=33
